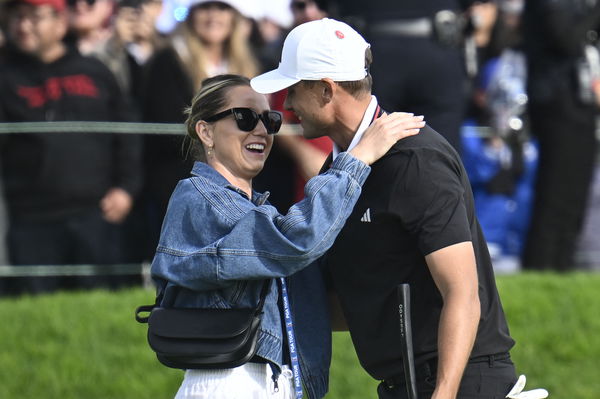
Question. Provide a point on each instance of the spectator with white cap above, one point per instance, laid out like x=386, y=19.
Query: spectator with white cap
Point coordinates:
x=211, y=40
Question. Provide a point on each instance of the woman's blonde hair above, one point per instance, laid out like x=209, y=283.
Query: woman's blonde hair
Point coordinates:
x=240, y=59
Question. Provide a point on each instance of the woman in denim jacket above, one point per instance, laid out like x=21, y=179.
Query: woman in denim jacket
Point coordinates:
x=220, y=240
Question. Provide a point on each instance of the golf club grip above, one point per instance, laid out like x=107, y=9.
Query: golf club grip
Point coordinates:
x=408, y=359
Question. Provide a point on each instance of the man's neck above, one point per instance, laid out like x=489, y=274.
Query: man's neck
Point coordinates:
x=348, y=119
x=89, y=41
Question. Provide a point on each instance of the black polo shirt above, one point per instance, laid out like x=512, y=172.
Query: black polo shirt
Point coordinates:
x=416, y=200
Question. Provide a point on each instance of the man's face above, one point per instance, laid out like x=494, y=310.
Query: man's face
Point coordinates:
x=306, y=102
x=35, y=29
x=149, y=13
x=306, y=11
x=213, y=22
x=89, y=15
x=126, y=22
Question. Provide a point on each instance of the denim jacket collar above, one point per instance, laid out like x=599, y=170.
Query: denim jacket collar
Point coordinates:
x=202, y=169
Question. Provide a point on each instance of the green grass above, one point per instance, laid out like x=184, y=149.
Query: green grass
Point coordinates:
x=554, y=319
x=79, y=345
x=87, y=345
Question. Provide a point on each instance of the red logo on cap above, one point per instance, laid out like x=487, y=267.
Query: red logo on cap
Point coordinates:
x=339, y=34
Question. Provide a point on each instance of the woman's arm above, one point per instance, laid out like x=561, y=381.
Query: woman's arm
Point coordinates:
x=263, y=243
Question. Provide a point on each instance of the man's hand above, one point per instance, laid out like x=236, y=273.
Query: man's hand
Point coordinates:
x=116, y=205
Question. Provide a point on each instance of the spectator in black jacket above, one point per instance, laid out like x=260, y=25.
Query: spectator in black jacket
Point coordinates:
x=562, y=110
x=418, y=45
x=66, y=193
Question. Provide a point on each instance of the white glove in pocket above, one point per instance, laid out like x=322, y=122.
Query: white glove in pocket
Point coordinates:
x=517, y=391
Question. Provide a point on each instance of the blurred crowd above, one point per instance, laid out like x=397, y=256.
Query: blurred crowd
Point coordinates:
x=513, y=85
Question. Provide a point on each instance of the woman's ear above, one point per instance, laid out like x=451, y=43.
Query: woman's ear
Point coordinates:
x=205, y=134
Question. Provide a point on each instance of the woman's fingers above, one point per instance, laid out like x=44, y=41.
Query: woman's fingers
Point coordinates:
x=384, y=133
x=401, y=123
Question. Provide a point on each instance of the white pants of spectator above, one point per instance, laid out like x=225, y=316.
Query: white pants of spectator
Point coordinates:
x=250, y=381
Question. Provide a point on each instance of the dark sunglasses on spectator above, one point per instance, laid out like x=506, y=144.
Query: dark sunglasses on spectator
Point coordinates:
x=247, y=119
x=299, y=5
x=72, y=3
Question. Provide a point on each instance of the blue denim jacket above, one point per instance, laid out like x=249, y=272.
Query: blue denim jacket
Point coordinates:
x=217, y=247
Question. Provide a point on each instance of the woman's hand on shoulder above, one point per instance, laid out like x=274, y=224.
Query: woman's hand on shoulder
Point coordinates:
x=384, y=133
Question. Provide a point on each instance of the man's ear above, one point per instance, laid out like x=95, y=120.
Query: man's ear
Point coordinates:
x=205, y=133
x=328, y=90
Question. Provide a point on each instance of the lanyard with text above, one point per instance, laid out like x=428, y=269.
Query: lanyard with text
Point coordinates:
x=291, y=339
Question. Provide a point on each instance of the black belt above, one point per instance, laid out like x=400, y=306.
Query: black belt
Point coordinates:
x=430, y=366
x=490, y=358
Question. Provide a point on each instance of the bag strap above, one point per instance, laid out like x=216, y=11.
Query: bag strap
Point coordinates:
x=148, y=308
x=263, y=295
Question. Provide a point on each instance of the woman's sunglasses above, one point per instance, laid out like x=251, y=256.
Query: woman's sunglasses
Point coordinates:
x=247, y=119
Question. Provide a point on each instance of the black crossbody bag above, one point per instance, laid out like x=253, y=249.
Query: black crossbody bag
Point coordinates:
x=203, y=338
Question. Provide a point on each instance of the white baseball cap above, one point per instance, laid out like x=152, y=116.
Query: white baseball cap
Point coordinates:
x=315, y=50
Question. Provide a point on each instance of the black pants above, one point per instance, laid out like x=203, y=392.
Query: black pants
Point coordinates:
x=566, y=133
x=482, y=379
x=85, y=238
x=420, y=75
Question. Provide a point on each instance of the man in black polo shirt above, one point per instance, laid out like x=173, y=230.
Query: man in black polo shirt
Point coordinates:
x=415, y=223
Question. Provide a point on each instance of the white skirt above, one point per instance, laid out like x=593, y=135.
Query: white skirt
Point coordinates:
x=250, y=381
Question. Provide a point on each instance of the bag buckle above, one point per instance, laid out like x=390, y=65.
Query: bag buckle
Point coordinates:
x=143, y=309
